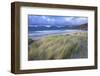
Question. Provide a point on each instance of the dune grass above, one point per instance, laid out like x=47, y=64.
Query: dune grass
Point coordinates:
x=66, y=46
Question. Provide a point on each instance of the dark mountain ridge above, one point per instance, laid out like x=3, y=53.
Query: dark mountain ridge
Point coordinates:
x=41, y=28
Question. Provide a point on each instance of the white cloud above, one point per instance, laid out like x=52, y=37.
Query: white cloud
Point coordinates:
x=76, y=20
x=48, y=25
x=68, y=18
x=81, y=20
x=44, y=17
x=48, y=19
x=52, y=19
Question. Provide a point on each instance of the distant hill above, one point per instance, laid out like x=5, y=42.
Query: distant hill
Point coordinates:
x=40, y=28
x=81, y=27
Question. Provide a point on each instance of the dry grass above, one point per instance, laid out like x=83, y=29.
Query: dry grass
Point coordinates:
x=59, y=47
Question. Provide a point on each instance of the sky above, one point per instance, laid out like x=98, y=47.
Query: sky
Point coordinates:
x=48, y=21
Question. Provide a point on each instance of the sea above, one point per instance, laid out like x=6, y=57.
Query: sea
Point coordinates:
x=38, y=34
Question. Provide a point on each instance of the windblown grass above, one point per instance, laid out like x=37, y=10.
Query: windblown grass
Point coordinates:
x=66, y=46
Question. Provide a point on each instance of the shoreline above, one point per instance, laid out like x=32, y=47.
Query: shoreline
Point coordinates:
x=54, y=34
